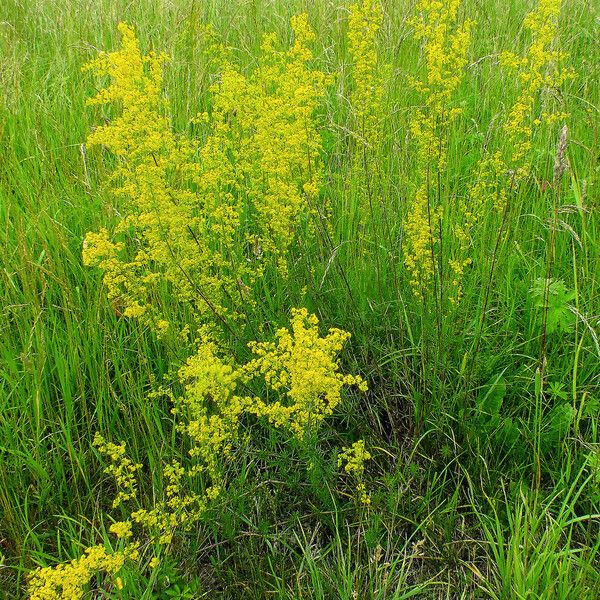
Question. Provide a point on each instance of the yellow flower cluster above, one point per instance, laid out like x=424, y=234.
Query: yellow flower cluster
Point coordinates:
x=485, y=189
x=68, y=581
x=301, y=367
x=368, y=74
x=121, y=529
x=279, y=141
x=420, y=230
x=190, y=212
x=121, y=468
x=301, y=370
x=178, y=509
x=353, y=459
x=538, y=69
x=445, y=44
x=210, y=406
x=164, y=238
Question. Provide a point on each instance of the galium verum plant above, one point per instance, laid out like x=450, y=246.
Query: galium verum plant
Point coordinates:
x=204, y=220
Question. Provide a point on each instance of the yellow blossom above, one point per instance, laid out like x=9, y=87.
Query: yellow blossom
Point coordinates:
x=353, y=460
x=445, y=43
x=69, y=581
x=302, y=370
x=368, y=74
x=202, y=221
x=122, y=529
x=121, y=468
x=539, y=69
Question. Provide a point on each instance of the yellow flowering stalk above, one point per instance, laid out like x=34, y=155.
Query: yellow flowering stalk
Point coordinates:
x=272, y=139
x=487, y=188
x=353, y=460
x=177, y=510
x=368, y=112
x=210, y=407
x=70, y=581
x=539, y=69
x=280, y=143
x=445, y=44
x=301, y=370
x=369, y=77
x=121, y=468
x=201, y=221
x=166, y=238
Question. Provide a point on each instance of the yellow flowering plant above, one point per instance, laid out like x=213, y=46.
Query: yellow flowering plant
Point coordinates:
x=280, y=145
x=538, y=70
x=161, y=239
x=69, y=581
x=369, y=77
x=201, y=221
x=353, y=459
x=499, y=172
x=301, y=373
x=445, y=42
x=368, y=112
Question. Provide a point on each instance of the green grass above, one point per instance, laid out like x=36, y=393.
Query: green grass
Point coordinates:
x=483, y=484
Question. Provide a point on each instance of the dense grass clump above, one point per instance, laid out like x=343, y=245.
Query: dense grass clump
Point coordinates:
x=298, y=299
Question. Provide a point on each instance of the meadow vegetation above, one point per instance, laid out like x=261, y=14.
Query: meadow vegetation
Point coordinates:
x=299, y=299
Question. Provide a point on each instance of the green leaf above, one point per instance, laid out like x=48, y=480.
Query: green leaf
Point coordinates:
x=553, y=297
x=491, y=398
x=558, y=422
x=509, y=432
